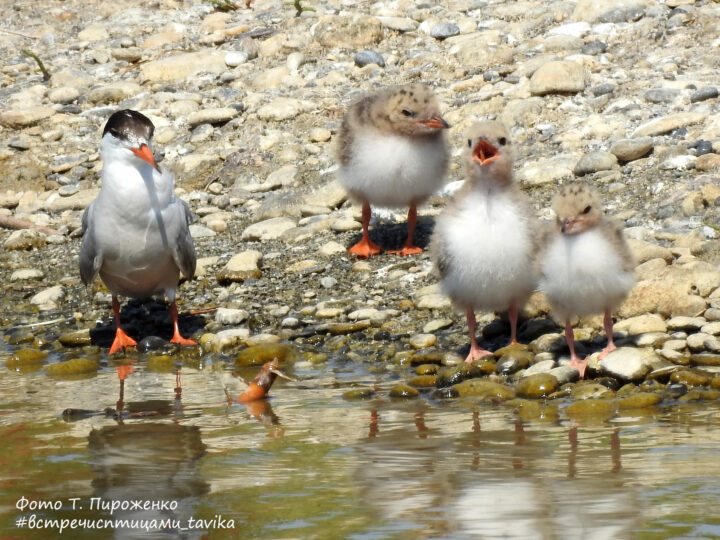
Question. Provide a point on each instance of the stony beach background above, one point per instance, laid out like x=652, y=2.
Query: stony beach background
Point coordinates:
x=246, y=103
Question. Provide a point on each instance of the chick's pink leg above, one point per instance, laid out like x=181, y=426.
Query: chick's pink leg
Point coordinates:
x=575, y=360
x=608, y=324
x=476, y=352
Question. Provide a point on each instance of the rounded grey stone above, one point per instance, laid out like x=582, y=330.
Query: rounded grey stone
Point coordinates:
x=444, y=30
x=363, y=58
x=595, y=161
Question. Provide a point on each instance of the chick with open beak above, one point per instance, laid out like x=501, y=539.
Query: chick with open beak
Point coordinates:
x=260, y=385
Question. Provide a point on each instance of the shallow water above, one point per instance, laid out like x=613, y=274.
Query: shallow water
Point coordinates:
x=309, y=464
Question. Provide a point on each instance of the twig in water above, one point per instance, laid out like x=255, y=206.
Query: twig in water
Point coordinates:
x=45, y=72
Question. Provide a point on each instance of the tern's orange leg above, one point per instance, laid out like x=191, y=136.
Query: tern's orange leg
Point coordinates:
x=122, y=340
x=177, y=338
x=365, y=247
x=608, y=324
x=409, y=248
x=575, y=361
x=476, y=352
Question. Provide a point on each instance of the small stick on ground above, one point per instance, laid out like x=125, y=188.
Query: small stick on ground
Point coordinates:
x=45, y=72
x=7, y=222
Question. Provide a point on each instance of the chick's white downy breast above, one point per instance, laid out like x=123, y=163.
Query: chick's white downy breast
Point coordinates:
x=583, y=274
x=489, y=249
x=392, y=170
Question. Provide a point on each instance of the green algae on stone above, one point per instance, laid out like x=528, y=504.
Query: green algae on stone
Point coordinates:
x=538, y=385
x=511, y=348
x=427, y=356
x=639, y=400
x=423, y=381
x=690, y=377
x=257, y=355
x=72, y=367
x=426, y=369
x=484, y=389
x=315, y=358
x=162, y=363
x=452, y=375
x=700, y=394
x=705, y=359
x=626, y=390
x=25, y=357
x=403, y=391
x=533, y=410
x=596, y=408
x=513, y=360
x=358, y=394
x=79, y=338
x=715, y=382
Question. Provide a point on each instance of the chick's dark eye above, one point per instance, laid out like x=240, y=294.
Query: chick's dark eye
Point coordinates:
x=408, y=113
x=587, y=209
x=502, y=141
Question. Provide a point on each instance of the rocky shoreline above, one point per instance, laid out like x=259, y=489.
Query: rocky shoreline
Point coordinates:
x=246, y=104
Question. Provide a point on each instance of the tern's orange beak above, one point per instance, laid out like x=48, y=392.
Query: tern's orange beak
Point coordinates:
x=435, y=122
x=145, y=154
x=484, y=153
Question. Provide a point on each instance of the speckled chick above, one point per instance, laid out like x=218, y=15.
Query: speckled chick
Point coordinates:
x=483, y=244
x=392, y=152
x=586, y=266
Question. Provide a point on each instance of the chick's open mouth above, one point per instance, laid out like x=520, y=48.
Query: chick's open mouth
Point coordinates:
x=484, y=152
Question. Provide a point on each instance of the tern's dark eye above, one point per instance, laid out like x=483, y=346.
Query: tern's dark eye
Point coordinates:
x=502, y=141
x=587, y=209
x=408, y=113
x=469, y=143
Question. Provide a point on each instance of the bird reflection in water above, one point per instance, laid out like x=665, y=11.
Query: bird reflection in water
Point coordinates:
x=149, y=461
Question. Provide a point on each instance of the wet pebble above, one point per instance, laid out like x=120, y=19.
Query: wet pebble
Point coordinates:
x=536, y=386
x=403, y=391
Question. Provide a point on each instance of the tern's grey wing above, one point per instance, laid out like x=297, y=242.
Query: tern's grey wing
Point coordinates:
x=183, y=250
x=90, y=257
x=439, y=254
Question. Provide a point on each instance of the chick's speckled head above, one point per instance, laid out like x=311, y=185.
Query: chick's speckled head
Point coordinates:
x=577, y=207
x=411, y=110
x=488, y=153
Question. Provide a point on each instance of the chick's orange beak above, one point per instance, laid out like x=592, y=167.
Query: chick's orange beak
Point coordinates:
x=484, y=153
x=144, y=153
x=436, y=122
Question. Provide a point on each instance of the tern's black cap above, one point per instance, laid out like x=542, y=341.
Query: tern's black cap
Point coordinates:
x=128, y=125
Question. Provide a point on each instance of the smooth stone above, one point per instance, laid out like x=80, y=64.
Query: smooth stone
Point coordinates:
x=600, y=408
x=25, y=357
x=227, y=316
x=403, y=391
x=24, y=239
x=533, y=410
x=363, y=58
x=79, y=338
x=536, y=386
x=114, y=92
x=423, y=381
x=629, y=363
x=594, y=162
x=697, y=342
x=589, y=390
x=269, y=229
x=72, y=367
x=686, y=323
x=218, y=115
x=235, y=58
x=22, y=118
x=666, y=124
x=690, y=377
x=594, y=48
x=27, y=274
x=79, y=201
x=631, y=149
x=358, y=394
x=242, y=266
x=484, y=389
x=258, y=354
x=712, y=328
x=662, y=95
x=651, y=339
x=453, y=375
x=437, y=324
x=558, y=76
x=641, y=324
x=543, y=366
x=701, y=94
x=283, y=108
x=330, y=249
x=422, y=341
x=427, y=369
x=546, y=171
x=513, y=361
x=400, y=24
x=63, y=95
x=564, y=374
x=643, y=251
x=705, y=359
x=180, y=67
x=444, y=30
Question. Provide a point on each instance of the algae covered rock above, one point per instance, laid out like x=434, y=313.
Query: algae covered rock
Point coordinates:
x=536, y=386
x=257, y=355
x=76, y=366
x=484, y=389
